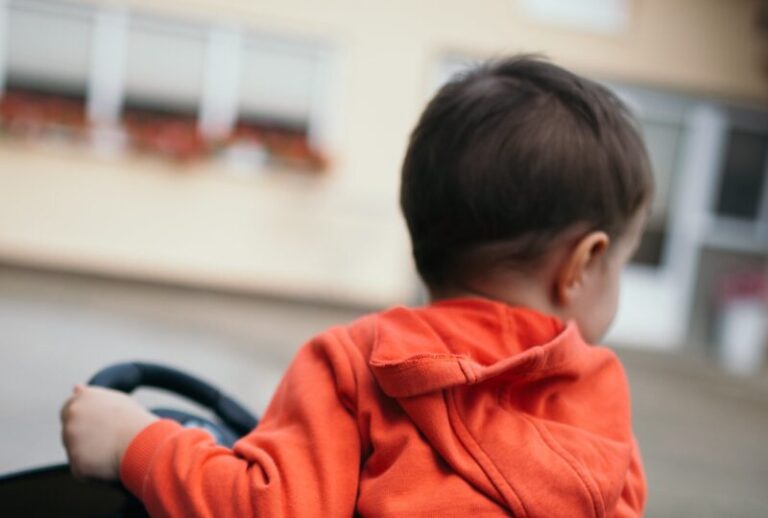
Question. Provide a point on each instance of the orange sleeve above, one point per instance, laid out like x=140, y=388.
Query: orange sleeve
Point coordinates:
x=302, y=460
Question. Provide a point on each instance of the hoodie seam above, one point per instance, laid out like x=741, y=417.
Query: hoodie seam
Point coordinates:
x=349, y=348
x=597, y=502
x=465, y=436
x=416, y=361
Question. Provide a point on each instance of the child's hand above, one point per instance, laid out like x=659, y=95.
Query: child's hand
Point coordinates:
x=97, y=426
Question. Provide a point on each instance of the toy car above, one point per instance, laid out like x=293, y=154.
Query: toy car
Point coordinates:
x=53, y=491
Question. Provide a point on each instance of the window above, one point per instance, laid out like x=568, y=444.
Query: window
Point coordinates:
x=609, y=16
x=164, y=68
x=663, y=141
x=278, y=90
x=56, y=35
x=47, y=69
x=743, y=174
x=662, y=118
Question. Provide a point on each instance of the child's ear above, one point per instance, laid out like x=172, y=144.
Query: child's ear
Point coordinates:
x=587, y=253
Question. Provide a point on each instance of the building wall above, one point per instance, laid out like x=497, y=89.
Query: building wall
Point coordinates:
x=339, y=236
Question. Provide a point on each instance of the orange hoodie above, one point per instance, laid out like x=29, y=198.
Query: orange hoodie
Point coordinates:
x=464, y=408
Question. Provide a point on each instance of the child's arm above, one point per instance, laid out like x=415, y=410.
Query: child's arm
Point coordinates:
x=302, y=460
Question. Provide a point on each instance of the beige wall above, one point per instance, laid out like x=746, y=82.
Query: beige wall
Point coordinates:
x=337, y=237
x=706, y=46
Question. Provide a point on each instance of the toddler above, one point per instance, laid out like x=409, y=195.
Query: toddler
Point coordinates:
x=525, y=189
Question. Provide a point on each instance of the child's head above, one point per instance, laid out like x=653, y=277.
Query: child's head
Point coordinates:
x=521, y=175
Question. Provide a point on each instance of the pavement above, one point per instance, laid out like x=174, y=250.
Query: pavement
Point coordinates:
x=703, y=433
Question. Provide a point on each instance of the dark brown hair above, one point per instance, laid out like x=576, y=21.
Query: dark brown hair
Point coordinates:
x=514, y=152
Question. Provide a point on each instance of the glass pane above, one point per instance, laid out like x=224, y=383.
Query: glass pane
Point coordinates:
x=277, y=84
x=743, y=175
x=164, y=66
x=663, y=140
x=48, y=48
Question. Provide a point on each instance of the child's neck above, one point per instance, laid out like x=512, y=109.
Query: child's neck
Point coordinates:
x=518, y=294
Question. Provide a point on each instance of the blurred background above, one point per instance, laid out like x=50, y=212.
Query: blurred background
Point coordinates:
x=210, y=183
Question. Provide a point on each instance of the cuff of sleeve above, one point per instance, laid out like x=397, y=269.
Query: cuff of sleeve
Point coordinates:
x=134, y=467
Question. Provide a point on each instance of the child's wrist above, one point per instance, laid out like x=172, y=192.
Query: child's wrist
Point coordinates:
x=128, y=432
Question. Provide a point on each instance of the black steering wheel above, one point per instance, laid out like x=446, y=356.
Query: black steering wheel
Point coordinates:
x=234, y=420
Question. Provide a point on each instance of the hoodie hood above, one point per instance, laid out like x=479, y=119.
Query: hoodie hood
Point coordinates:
x=516, y=403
